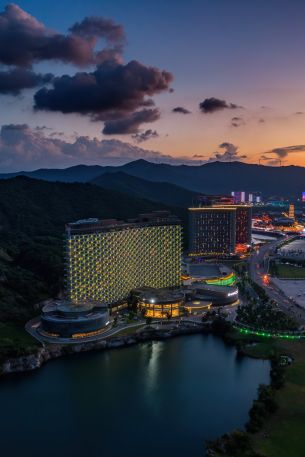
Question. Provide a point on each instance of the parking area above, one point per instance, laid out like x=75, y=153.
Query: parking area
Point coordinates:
x=292, y=289
x=294, y=250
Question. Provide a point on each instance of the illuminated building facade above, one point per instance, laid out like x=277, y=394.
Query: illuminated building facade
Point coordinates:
x=217, y=295
x=218, y=226
x=243, y=224
x=212, y=230
x=159, y=303
x=207, y=285
x=105, y=260
x=207, y=273
x=291, y=212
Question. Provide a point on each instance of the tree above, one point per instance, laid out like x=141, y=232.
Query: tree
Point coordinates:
x=148, y=320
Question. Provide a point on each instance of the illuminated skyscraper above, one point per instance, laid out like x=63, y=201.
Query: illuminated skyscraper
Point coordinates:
x=291, y=213
x=218, y=226
x=246, y=197
x=105, y=260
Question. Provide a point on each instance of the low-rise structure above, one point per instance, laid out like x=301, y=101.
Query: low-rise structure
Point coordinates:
x=62, y=319
x=159, y=303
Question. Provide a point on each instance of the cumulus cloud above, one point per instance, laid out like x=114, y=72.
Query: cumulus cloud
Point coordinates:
x=114, y=93
x=237, y=121
x=146, y=135
x=131, y=123
x=92, y=27
x=286, y=150
x=270, y=160
x=229, y=153
x=211, y=105
x=181, y=110
x=15, y=80
x=112, y=87
x=24, y=40
x=31, y=148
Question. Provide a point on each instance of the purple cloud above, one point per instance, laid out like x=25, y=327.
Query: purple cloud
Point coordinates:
x=237, y=121
x=32, y=148
x=24, y=40
x=17, y=79
x=130, y=123
x=211, y=105
x=181, y=110
x=230, y=153
x=113, y=93
x=144, y=136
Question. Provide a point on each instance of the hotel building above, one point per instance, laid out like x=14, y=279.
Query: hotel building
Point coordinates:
x=218, y=226
x=106, y=259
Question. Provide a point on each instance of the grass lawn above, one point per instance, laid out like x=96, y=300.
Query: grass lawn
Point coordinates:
x=15, y=341
x=283, y=433
x=254, y=346
x=128, y=330
x=289, y=271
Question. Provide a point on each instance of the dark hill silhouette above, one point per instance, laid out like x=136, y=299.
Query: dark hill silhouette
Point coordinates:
x=168, y=194
x=213, y=177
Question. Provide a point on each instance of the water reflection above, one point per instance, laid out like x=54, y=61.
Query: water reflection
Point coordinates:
x=153, y=366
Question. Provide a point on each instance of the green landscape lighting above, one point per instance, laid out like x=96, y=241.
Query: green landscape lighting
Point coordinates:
x=228, y=280
x=271, y=335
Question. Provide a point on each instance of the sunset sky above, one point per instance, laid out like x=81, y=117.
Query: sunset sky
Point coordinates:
x=190, y=80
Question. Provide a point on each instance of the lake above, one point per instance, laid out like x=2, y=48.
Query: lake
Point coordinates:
x=153, y=399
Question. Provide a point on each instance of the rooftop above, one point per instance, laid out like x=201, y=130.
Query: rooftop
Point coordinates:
x=217, y=201
x=67, y=307
x=162, y=295
x=146, y=219
x=208, y=270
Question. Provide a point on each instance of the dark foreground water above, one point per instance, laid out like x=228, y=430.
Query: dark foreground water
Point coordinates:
x=151, y=400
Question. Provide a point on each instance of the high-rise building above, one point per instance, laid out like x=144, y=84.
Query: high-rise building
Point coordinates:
x=291, y=212
x=243, y=224
x=218, y=226
x=246, y=197
x=106, y=259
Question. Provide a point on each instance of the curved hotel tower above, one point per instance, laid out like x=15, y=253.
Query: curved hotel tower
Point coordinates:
x=106, y=259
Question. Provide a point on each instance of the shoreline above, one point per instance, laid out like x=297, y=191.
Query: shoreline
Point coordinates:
x=245, y=345
x=275, y=415
x=34, y=361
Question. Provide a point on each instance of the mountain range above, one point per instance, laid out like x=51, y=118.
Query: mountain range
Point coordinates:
x=212, y=177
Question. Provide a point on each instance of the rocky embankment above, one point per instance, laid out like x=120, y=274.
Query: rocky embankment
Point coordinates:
x=53, y=351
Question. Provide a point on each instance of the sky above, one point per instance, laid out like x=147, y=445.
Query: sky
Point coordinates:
x=96, y=81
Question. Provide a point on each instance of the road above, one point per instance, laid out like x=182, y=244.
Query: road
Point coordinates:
x=258, y=266
x=32, y=328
